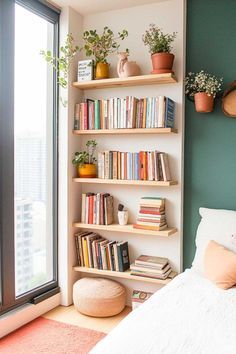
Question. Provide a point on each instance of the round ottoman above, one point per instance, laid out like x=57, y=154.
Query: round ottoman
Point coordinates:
x=98, y=297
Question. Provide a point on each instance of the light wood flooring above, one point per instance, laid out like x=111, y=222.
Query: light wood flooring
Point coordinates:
x=71, y=316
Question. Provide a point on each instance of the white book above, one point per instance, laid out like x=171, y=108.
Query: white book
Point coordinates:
x=119, y=113
x=156, y=112
x=124, y=114
x=83, y=208
x=161, y=112
x=87, y=210
x=115, y=118
x=111, y=113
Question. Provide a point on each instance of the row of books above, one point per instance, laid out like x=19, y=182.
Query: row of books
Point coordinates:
x=151, y=214
x=94, y=251
x=97, y=208
x=151, y=267
x=129, y=112
x=143, y=165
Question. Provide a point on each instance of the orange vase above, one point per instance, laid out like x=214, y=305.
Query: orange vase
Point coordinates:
x=102, y=71
x=88, y=170
x=203, y=102
x=162, y=63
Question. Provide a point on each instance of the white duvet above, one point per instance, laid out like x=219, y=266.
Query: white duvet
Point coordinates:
x=188, y=316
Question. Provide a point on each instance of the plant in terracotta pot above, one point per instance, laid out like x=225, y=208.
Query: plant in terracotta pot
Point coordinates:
x=85, y=161
x=100, y=46
x=203, y=87
x=160, y=46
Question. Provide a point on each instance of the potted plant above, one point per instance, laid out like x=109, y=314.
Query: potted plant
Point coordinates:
x=85, y=161
x=203, y=87
x=160, y=47
x=100, y=46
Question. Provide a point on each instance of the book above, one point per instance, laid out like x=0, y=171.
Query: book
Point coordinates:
x=123, y=256
x=149, y=227
x=148, y=269
x=139, y=297
x=153, y=261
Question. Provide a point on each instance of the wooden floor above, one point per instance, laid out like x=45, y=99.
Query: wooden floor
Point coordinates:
x=71, y=316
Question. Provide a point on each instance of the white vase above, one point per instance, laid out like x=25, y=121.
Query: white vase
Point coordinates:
x=123, y=217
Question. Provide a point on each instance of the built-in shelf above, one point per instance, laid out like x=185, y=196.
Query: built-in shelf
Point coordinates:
x=128, y=81
x=125, y=182
x=126, y=131
x=124, y=275
x=126, y=229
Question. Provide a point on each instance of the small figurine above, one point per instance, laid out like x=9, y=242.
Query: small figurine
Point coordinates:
x=123, y=215
x=127, y=68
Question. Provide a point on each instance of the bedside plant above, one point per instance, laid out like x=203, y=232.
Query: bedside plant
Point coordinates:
x=85, y=161
x=100, y=46
x=203, y=87
x=160, y=47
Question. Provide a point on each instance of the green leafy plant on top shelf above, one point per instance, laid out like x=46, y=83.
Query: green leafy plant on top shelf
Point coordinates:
x=157, y=41
x=62, y=62
x=101, y=45
x=86, y=157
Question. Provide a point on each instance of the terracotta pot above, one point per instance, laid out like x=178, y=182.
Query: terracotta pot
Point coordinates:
x=102, y=71
x=88, y=170
x=203, y=102
x=162, y=63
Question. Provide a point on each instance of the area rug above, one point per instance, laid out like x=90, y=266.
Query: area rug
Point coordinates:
x=48, y=336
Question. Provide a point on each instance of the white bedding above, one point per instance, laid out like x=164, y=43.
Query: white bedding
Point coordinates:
x=188, y=316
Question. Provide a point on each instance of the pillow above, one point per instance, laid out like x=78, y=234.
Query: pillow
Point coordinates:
x=218, y=225
x=220, y=265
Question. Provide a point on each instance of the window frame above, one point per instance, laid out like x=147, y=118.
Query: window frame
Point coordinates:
x=8, y=300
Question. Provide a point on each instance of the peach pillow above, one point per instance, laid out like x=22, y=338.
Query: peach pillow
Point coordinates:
x=220, y=265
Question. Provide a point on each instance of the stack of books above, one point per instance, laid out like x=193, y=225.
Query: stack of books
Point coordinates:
x=151, y=267
x=129, y=112
x=151, y=215
x=143, y=165
x=94, y=251
x=97, y=208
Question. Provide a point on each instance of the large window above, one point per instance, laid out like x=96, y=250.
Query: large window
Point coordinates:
x=29, y=135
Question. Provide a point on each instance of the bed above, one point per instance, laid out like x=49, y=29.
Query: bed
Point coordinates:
x=188, y=316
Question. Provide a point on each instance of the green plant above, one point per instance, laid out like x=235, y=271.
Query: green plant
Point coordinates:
x=100, y=46
x=202, y=82
x=157, y=41
x=84, y=157
x=62, y=62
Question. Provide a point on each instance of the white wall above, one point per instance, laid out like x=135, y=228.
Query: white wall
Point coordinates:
x=170, y=16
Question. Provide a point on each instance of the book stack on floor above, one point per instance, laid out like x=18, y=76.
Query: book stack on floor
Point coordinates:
x=143, y=165
x=97, y=208
x=94, y=251
x=151, y=267
x=151, y=215
x=125, y=113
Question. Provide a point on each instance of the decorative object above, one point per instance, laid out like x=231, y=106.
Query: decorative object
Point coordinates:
x=123, y=215
x=127, y=68
x=85, y=70
x=62, y=62
x=85, y=161
x=229, y=101
x=139, y=297
x=204, y=88
x=160, y=47
x=100, y=46
x=99, y=297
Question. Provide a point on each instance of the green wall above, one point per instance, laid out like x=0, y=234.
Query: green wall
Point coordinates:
x=210, y=139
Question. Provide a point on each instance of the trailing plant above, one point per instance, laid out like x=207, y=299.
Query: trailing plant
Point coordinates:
x=101, y=45
x=157, y=41
x=202, y=82
x=86, y=157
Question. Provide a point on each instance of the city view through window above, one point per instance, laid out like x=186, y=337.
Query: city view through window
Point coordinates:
x=33, y=152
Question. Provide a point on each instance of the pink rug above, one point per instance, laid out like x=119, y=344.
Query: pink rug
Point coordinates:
x=48, y=336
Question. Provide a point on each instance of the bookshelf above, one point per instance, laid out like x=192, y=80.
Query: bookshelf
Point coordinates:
x=126, y=131
x=124, y=275
x=125, y=182
x=126, y=229
x=126, y=82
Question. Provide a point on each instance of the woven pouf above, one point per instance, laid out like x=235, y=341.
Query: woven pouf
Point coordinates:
x=98, y=297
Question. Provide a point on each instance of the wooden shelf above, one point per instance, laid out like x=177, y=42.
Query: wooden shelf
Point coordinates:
x=126, y=131
x=126, y=229
x=152, y=79
x=125, y=182
x=124, y=275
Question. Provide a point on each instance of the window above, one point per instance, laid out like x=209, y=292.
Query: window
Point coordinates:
x=28, y=135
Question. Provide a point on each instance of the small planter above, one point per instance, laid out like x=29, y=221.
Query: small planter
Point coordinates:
x=88, y=170
x=162, y=63
x=123, y=217
x=102, y=71
x=203, y=102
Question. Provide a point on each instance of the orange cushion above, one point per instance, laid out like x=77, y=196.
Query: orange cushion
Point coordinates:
x=220, y=265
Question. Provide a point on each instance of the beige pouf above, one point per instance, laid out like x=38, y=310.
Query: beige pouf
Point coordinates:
x=98, y=297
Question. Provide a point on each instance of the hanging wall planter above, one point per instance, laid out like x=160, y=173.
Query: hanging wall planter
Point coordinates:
x=204, y=103
x=229, y=101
